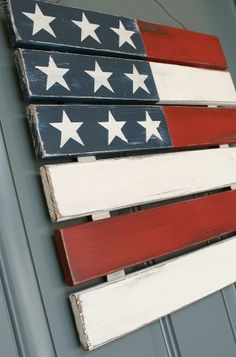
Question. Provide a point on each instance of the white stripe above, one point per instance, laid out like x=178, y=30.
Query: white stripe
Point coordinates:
x=79, y=189
x=111, y=310
x=189, y=85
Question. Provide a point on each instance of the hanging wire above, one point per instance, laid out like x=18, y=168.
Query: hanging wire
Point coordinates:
x=170, y=15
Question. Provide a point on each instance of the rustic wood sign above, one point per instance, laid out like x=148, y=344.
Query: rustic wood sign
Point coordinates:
x=48, y=26
x=52, y=76
x=96, y=249
x=117, y=183
x=61, y=59
x=65, y=130
x=114, y=309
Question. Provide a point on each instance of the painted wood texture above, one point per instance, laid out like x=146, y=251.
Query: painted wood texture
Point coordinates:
x=95, y=249
x=49, y=26
x=172, y=45
x=116, y=183
x=53, y=76
x=191, y=126
x=68, y=130
x=188, y=85
x=112, y=310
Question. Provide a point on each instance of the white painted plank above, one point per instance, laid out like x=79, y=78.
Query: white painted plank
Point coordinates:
x=79, y=189
x=112, y=310
x=189, y=85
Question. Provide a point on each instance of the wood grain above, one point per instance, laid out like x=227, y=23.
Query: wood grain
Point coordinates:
x=111, y=310
x=172, y=45
x=115, y=183
x=177, y=127
x=187, y=85
x=192, y=126
x=143, y=40
x=95, y=249
x=53, y=76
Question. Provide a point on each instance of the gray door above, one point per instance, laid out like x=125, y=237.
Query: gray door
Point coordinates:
x=35, y=316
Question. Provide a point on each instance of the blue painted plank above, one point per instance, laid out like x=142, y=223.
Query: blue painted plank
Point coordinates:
x=49, y=26
x=71, y=77
x=73, y=130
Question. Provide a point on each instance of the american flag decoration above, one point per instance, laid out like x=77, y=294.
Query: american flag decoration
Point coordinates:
x=65, y=130
x=82, y=78
x=52, y=27
x=98, y=88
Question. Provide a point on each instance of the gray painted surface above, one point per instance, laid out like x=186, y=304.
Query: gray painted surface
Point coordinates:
x=33, y=298
x=7, y=342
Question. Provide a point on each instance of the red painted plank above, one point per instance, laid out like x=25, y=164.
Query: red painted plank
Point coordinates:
x=95, y=249
x=172, y=45
x=194, y=126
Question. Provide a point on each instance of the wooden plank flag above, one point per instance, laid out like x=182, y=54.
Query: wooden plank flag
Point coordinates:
x=112, y=310
x=68, y=130
x=74, y=74
x=53, y=76
x=48, y=26
x=79, y=189
x=91, y=250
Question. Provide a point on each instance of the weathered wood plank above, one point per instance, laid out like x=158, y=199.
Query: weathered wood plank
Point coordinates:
x=189, y=126
x=48, y=26
x=91, y=250
x=43, y=25
x=68, y=130
x=111, y=310
x=179, y=46
x=188, y=85
x=53, y=76
x=116, y=183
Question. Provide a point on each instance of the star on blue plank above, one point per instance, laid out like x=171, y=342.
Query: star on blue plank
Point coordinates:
x=40, y=21
x=151, y=127
x=88, y=29
x=43, y=25
x=114, y=128
x=68, y=129
x=53, y=76
x=75, y=130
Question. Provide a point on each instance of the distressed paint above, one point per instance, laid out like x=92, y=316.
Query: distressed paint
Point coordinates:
x=54, y=76
x=143, y=128
x=126, y=129
x=111, y=310
x=116, y=183
x=76, y=30
x=92, y=250
x=187, y=85
x=73, y=30
x=192, y=127
x=174, y=45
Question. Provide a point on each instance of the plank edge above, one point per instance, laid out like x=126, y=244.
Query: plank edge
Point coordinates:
x=79, y=321
x=141, y=274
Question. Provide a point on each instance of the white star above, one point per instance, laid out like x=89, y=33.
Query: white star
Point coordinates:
x=138, y=80
x=41, y=21
x=54, y=74
x=151, y=127
x=68, y=130
x=87, y=28
x=114, y=128
x=100, y=78
x=124, y=35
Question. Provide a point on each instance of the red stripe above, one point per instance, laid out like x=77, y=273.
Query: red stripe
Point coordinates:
x=194, y=126
x=171, y=45
x=95, y=249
